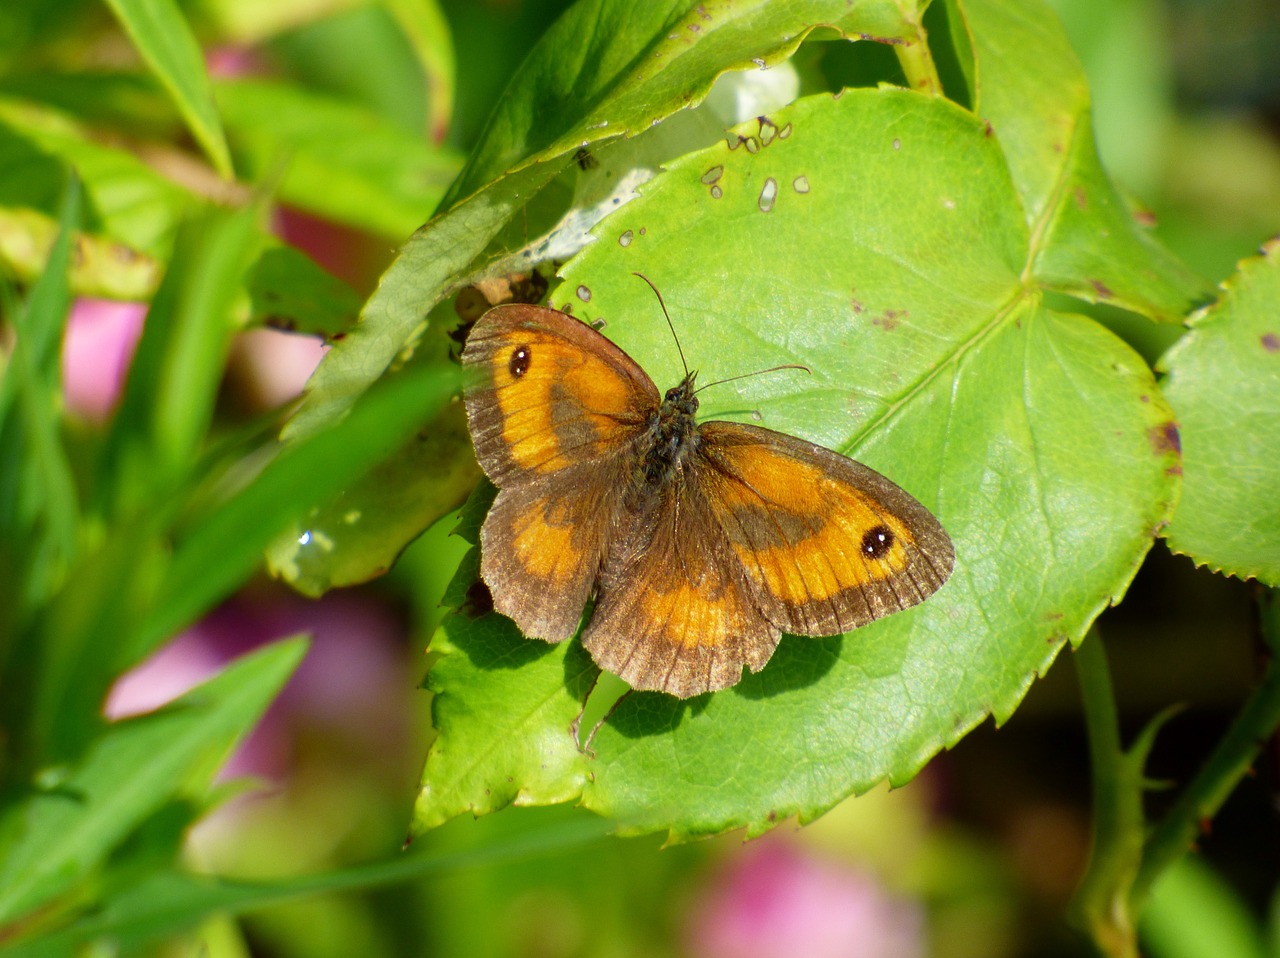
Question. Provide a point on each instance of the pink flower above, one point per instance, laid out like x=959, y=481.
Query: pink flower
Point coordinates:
x=354, y=683
x=98, y=347
x=775, y=900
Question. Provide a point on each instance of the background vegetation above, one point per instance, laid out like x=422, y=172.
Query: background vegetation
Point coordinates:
x=983, y=301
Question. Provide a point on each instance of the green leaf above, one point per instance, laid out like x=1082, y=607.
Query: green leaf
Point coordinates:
x=288, y=290
x=165, y=41
x=344, y=163
x=169, y=397
x=1224, y=384
x=1027, y=83
x=67, y=830
x=357, y=535
x=427, y=30
x=505, y=708
x=605, y=70
x=39, y=504
x=878, y=239
x=222, y=548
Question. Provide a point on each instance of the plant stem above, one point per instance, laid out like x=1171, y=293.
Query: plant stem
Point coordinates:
x=1102, y=900
x=917, y=62
x=1230, y=761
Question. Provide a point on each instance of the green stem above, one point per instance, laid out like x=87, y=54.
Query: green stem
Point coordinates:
x=1230, y=762
x=916, y=59
x=1102, y=900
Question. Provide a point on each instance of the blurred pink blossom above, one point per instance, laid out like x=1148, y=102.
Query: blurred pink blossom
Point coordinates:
x=274, y=366
x=98, y=347
x=353, y=683
x=775, y=900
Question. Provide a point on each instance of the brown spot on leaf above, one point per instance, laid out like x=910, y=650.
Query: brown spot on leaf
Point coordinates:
x=1164, y=438
x=987, y=129
x=1081, y=197
x=889, y=319
x=1101, y=288
x=1145, y=218
x=1270, y=342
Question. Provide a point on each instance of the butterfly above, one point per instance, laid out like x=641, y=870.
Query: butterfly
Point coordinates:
x=701, y=542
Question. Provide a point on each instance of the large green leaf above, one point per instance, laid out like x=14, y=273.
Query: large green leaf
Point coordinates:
x=1224, y=384
x=68, y=829
x=606, y=69
x=878, y=238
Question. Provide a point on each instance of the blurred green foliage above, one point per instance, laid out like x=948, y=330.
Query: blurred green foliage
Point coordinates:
x=236, y=165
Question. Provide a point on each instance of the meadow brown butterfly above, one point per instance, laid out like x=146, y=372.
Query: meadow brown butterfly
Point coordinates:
x=702, y=542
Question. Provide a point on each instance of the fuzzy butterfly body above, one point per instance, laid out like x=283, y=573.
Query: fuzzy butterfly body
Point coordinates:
x=701, y=542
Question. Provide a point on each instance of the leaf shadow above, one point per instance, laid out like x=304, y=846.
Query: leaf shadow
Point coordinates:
x=798, y=663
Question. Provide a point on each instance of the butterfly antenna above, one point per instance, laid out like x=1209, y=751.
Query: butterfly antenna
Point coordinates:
x=669, y=323
x=758, y=372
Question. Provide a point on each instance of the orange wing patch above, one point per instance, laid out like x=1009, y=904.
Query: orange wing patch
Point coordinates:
x=557, y=404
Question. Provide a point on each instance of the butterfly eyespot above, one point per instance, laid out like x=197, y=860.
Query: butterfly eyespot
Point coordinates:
x=519, y=364
x=877, y=542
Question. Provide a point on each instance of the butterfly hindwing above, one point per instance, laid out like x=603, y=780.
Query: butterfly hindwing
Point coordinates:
x=675, y=610
x=541, y=551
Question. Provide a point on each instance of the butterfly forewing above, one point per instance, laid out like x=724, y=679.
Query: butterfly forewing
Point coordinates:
x=549, y=394
x=827, y=543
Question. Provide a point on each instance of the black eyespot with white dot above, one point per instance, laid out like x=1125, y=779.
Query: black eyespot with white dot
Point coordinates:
x=877, y=542
x=519, y=363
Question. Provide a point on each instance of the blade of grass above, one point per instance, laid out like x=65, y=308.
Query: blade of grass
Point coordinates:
x=70, y=827
x=165, y=41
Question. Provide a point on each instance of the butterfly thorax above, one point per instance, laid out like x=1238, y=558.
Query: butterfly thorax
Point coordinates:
x=670, y=436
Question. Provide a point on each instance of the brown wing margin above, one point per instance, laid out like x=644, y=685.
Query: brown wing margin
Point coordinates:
x=827, y=543
x=549, y=393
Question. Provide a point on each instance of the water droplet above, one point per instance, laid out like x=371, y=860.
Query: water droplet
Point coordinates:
x=800, y=184
x=897, y=143
x=768, y=195
x=625, y=239
x=759, y=62
x=305, y=539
